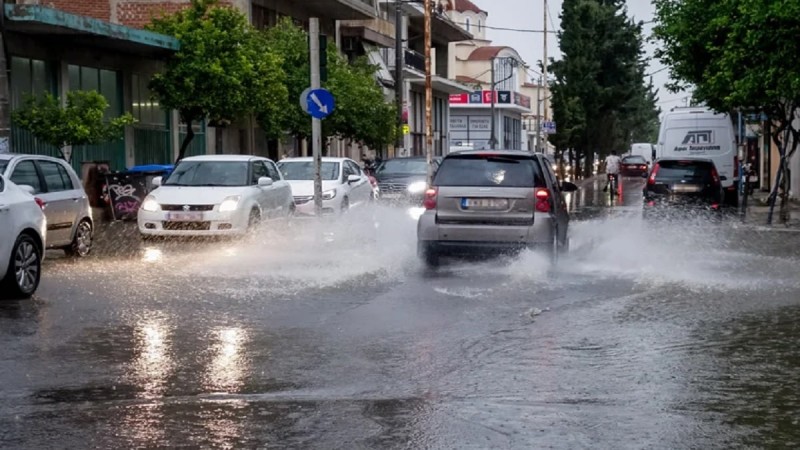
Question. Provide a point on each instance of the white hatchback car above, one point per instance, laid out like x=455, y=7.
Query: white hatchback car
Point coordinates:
x=344, y=184
x=22, y=240
x=215, y=195
x=69, y=214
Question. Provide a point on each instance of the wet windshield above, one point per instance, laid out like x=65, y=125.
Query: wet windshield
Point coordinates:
x=209, y=173
x=634, y=160
x=304, y=170
x=684, y=170
x=403, y=167
x=489, y=171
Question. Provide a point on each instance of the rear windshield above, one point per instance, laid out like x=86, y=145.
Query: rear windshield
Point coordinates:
x=698, y=171
x=634, y=160
x=489, y=171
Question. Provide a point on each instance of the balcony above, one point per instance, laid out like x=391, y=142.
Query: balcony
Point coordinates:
x=443, y=30
x=376, y=31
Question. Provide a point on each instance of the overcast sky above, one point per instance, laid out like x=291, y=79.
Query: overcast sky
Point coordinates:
x=527, y=14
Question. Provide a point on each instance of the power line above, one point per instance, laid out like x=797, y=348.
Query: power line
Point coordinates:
x=657, y=71
x=518, y=30
x=550, y=16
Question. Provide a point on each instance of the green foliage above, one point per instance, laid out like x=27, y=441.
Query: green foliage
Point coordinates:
x=81, y=121
x=737, y=55
x=224, y=71
x=362, y=113
x=601, y=101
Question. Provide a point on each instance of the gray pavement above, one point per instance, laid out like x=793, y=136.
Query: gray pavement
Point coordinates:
x=678, y=336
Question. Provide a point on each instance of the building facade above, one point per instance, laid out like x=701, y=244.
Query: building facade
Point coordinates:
x=495, y=112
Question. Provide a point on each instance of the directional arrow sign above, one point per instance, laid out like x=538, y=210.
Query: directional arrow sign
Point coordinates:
x=318, y=103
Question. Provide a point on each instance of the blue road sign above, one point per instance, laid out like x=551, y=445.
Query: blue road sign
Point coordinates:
x=318, y=103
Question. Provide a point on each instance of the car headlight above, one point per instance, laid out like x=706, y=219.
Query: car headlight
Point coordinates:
x=329, y=195
x=229, y=204
x=150, y=204
x=418, y=187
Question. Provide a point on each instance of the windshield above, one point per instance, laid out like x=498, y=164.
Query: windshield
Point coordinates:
x=489, y=171
x=209, y=173
x=304, y=170
x=403, y=166
x=684, y=171
x=634, y=160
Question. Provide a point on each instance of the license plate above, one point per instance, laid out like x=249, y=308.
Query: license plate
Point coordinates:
x=391, y=196
x=686, y=188
x=185, y=216
x=484, y=203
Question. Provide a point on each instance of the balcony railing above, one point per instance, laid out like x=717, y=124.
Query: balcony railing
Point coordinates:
x=415, y=60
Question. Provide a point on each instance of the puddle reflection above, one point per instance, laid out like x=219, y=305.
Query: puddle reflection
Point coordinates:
x=230, y=365
x=153, y=363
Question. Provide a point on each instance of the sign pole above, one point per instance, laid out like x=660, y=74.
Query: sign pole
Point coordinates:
x=544, y=75
x=493, y=139
x=316, y=124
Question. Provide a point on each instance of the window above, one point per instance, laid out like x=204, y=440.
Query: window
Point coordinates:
x=468, y=23
x=29, y=76
x=26, y=174
x=273, y=171
x=209, y=173
x=144, y=108
x=259, y=170
x=55, y=176
x=351, y=169
x=489, y=171
x=106, y=82
x=304, y=170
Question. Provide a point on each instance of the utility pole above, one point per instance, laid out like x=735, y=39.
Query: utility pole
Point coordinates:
x=316, y=124
x=539, y=115
x=399, y=84
x=428, y=93
x=544, y=74
x=493, y=138
x=5, y=102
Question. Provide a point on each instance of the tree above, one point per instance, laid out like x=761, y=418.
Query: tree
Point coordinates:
x=737, y=55
x=600, y=98
x=81, y=121
x=362, y=113
x=224, y=70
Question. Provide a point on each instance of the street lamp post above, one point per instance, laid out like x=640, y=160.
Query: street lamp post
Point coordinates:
x=399, y=62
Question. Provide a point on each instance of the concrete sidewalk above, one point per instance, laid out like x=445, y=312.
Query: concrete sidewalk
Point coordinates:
x=758, y=212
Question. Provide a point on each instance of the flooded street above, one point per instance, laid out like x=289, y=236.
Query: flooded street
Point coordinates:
x=644, y=336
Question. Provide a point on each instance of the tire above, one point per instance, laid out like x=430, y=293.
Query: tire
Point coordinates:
x=429, y=256
x=24, y=269
x=253, y=220
x=345, y=204
x=82, y=242
x=553, y=250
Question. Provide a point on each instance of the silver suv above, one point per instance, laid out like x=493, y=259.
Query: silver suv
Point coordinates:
x=492, y=201
x=59, y=192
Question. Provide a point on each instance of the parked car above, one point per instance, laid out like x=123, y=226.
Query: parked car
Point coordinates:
x=215, y=195
x=494, y=201
x=69, y=215
x=23, y=228
x=633, y=166
x=344, y=184
x=683, y=187
x=403, y=180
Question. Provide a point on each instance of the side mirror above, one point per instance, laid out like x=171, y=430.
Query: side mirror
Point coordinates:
x=353, y=178
x=27, y=188
x=156, y=181
x=265, y=182
x=566, y=186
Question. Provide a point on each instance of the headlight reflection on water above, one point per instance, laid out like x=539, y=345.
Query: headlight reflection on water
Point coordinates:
x=152, y=255
x=229, y=365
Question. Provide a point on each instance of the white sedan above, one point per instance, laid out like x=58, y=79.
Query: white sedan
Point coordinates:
x=344, y=184
x=216, y=195
x=23, y=228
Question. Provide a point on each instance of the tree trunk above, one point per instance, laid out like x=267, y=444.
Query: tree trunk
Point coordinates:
x=186, y=141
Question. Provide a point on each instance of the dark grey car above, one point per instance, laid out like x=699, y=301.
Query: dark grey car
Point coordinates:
x=493, y=201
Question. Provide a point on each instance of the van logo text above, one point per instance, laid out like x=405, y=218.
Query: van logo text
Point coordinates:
x=701, y=137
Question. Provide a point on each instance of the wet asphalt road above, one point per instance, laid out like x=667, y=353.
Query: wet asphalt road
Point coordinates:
x=679, y=336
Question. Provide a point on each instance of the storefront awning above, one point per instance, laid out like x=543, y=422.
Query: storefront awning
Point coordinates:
x=81, y=30
x=442, y=85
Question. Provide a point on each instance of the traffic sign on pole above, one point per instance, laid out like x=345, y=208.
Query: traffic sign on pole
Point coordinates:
x=318, y=103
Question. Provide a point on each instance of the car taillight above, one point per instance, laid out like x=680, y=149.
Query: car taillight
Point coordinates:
x=542, y=200
x=430, y=198
x=715, y=176
x=715, y=206
x=42, y=204
x=652, y=179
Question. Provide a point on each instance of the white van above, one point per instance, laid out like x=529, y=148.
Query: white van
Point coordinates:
x=702, y=133
x=645, y=150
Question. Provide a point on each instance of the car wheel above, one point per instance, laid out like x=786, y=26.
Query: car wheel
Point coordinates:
x=554, y=249
x=345, y=204
x=254, y=219
x=428, y=255
x=24, y=269
x=82, y=242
